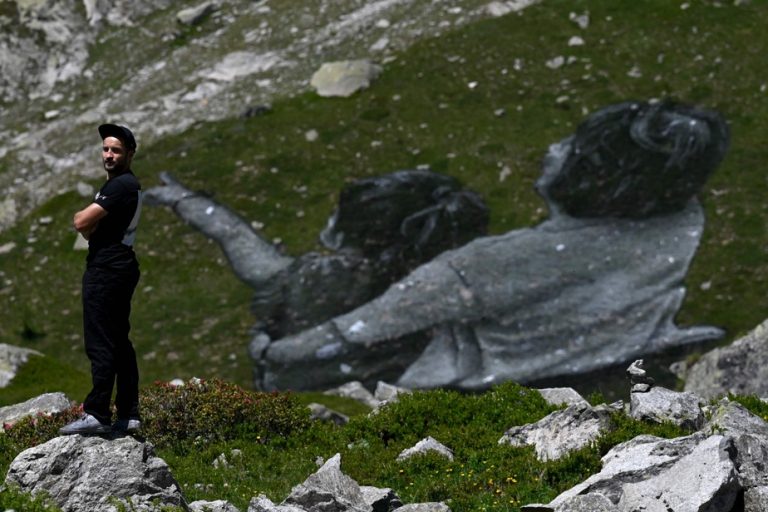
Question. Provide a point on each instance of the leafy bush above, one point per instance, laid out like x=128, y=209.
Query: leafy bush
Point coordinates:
x=214, y=410
x=34, y=430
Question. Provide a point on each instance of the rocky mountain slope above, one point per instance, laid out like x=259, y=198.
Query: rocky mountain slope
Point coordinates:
x=162, y=66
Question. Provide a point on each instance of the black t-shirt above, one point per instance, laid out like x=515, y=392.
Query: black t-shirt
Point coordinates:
x=111, y=244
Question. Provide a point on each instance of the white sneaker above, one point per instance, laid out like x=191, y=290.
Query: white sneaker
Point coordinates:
x=130, y=425
x=87, y=424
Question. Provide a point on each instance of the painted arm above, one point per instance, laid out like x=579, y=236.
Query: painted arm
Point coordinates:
x=254, y=260
x=87, y=220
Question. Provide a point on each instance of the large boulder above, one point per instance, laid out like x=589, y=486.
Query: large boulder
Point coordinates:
x=89, y=474
x=740, y=368
x=693, y=473
x=562, y=431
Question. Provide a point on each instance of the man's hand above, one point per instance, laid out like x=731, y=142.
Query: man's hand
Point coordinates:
x=87, y=220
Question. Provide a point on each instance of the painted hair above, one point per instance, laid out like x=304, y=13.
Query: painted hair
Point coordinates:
x=637, y=159
x=406, y=217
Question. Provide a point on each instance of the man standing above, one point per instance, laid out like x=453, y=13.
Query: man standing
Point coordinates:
x=111, y=274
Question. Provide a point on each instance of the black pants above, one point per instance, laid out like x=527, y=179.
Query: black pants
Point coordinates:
x=106, y=311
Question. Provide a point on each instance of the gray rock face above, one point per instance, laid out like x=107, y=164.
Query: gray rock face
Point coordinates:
x=562, y=431
x=344, y=78
x=11, y=358
x=660, y=404
x=658, y=475
x=82, y=474
x=713, y=487
x=592, y=502
x=756, y=499
x=47, y=403
x=428, y=444
x=740, y=368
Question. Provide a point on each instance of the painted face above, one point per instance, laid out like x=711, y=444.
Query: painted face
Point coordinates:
x=114, y=156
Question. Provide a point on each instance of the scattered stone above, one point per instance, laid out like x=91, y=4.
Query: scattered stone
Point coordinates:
x=84, y=189
x=323, y=413
x=7, y=247
x=85, y=474
x=425, y=445
x=582, y=20
x=576, y=41
x=195, y=15
x=356, y=391
x=329, y=487
x=388, y=393
x=344, y=78
x=380, y=499
x=311, y=135
x=559, y=396
x=47, y=403
x=562, y=431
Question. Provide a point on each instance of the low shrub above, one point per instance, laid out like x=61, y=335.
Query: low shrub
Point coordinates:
x=203, y=411
x=34, y=430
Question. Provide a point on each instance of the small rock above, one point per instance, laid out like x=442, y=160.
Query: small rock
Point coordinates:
x=195, y=15
x=344, y=78
x=423, y=446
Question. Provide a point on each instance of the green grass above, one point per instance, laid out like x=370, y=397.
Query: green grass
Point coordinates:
x=191, y=316
x=45, y=375
x=482, y=476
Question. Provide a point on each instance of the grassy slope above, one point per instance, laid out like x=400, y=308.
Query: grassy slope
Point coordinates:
x=191, y=315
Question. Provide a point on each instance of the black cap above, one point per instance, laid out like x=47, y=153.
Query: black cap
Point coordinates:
x=119, y=132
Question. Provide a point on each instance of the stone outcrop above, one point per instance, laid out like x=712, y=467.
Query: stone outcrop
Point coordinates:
x=86, y=474
x=740, y=368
